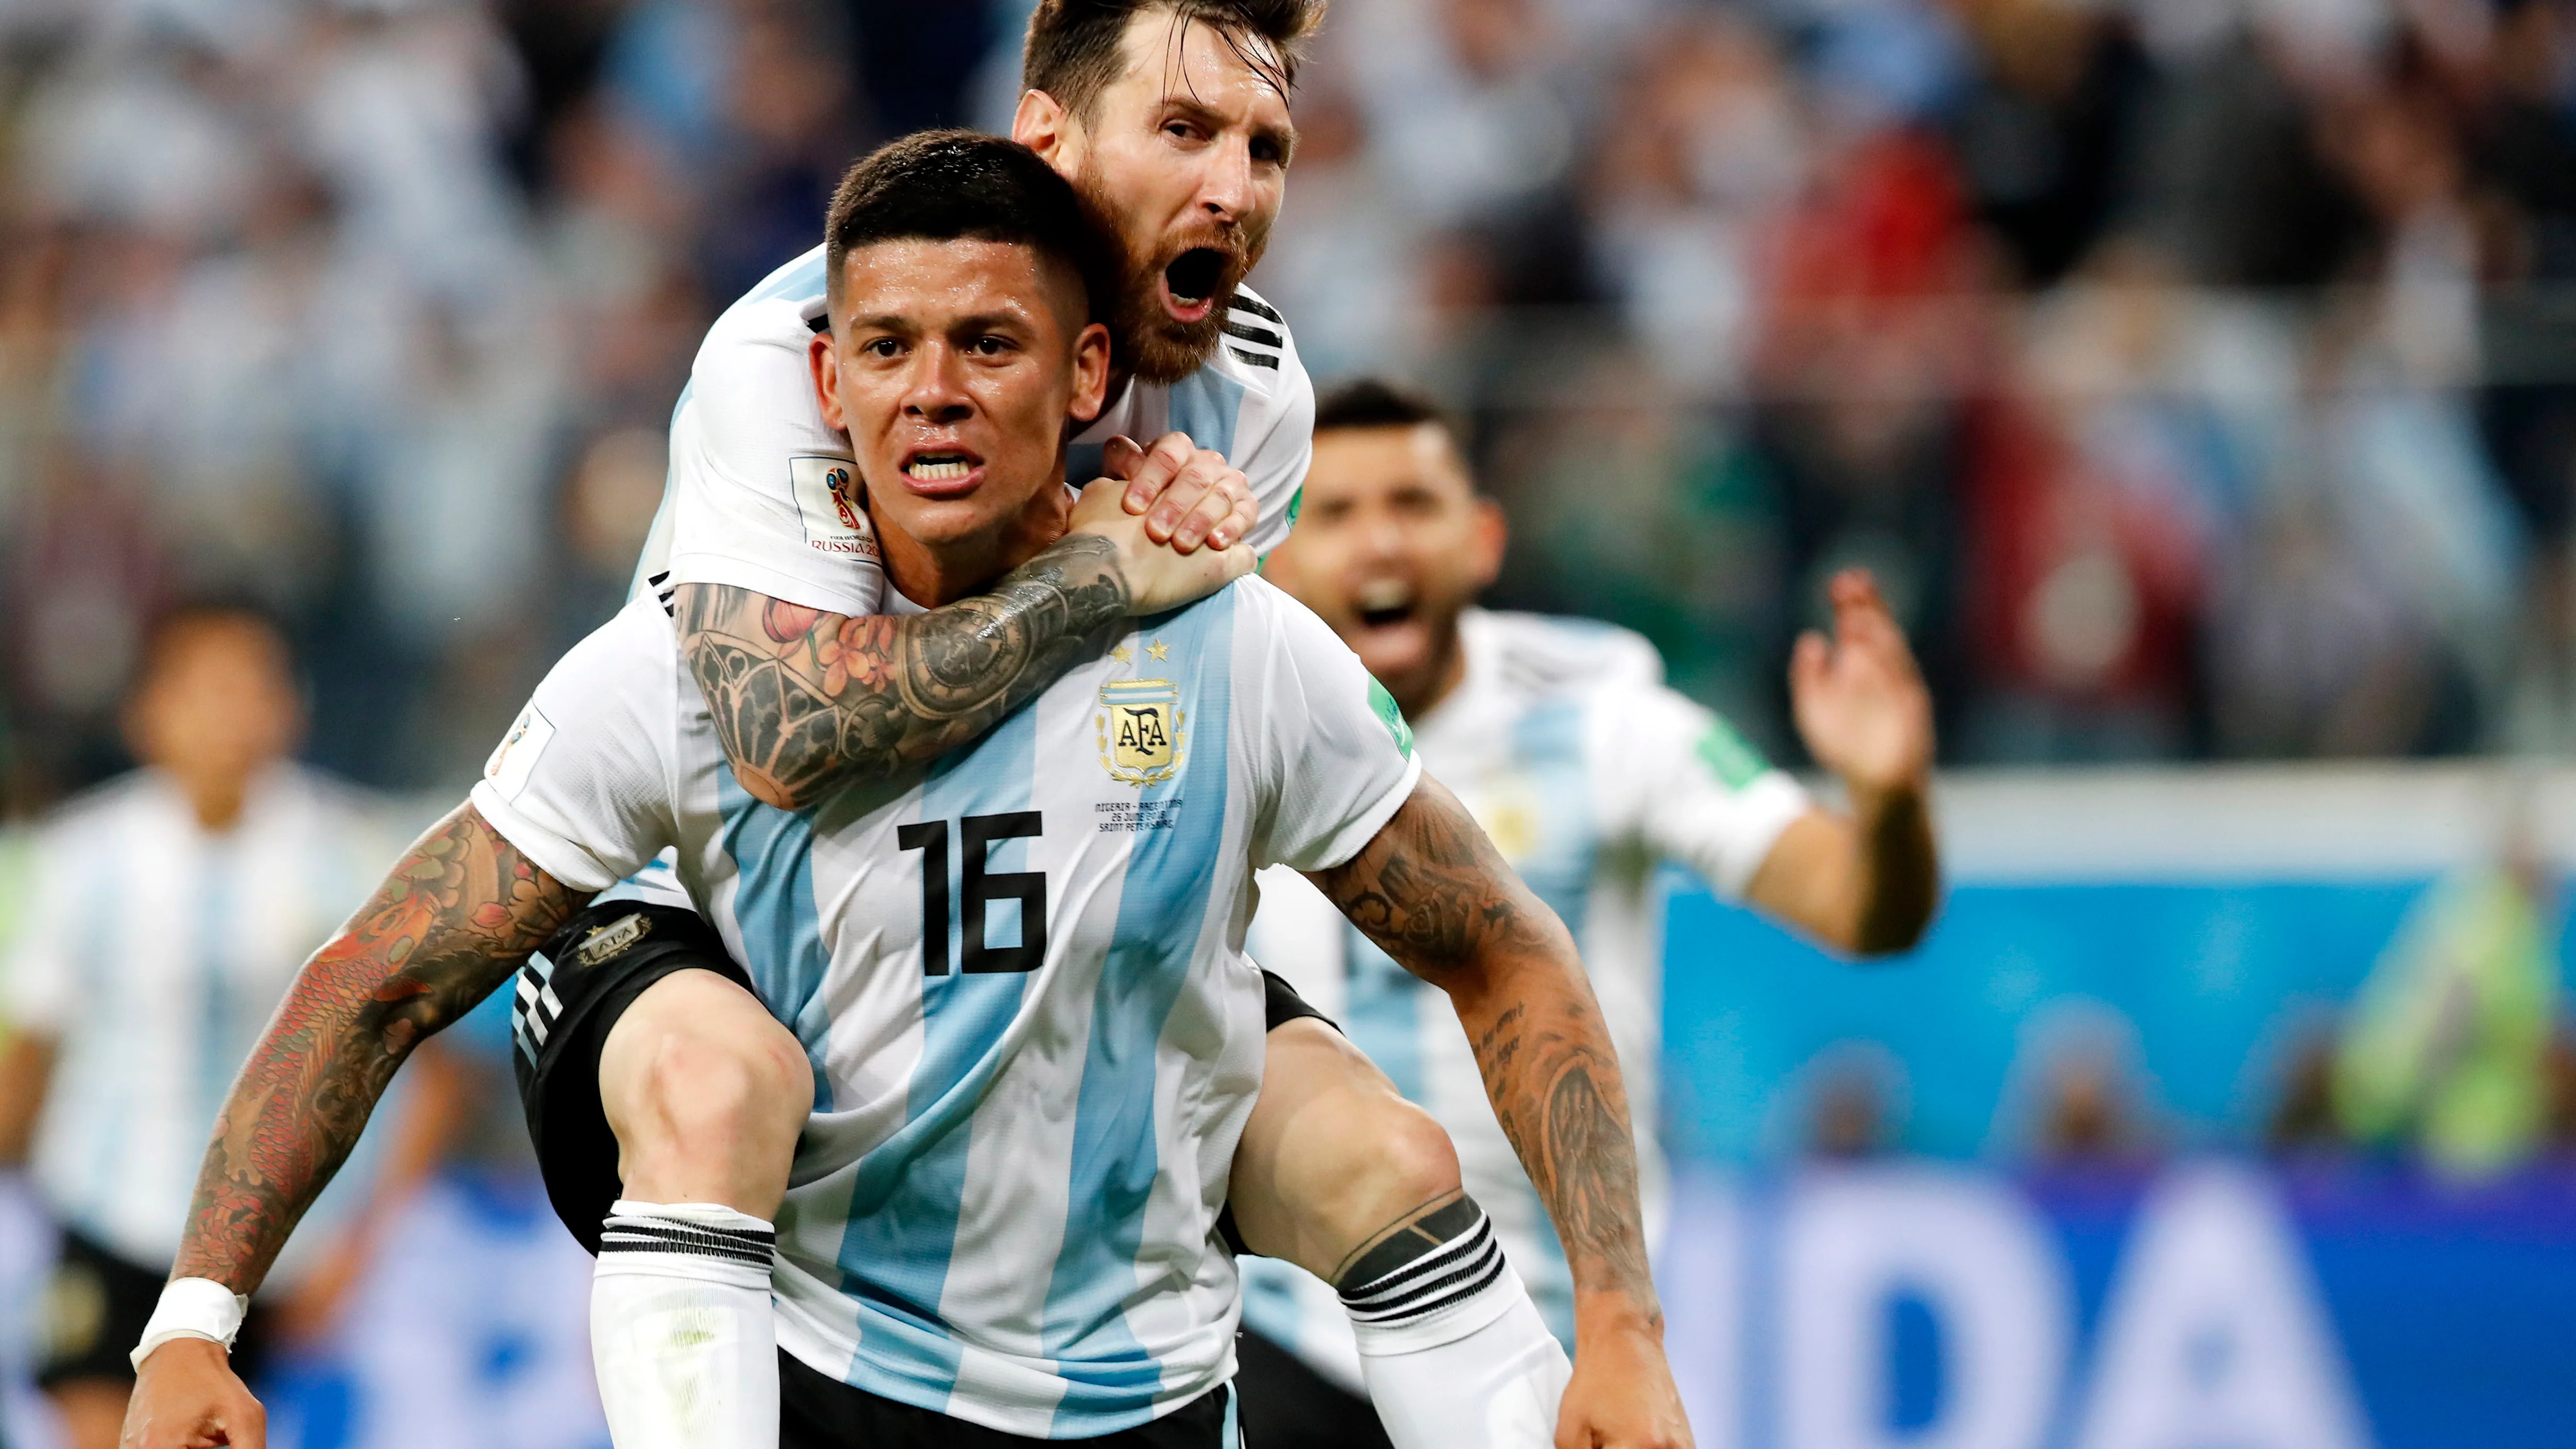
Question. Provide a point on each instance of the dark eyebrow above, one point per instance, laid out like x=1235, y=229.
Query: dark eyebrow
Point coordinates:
x=990, y=322
x=1189, y=107
x=885, y=322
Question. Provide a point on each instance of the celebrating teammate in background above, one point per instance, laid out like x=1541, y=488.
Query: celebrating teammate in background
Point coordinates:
x=170, y=911
x=1588, y=773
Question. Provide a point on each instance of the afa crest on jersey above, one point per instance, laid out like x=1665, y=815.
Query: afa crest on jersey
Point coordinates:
x=1141, y=730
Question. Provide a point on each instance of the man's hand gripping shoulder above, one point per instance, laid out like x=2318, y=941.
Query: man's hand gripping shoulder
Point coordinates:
x=1433, y=893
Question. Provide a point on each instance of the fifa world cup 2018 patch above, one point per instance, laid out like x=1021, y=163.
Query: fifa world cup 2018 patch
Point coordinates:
x=515, y=758
x=610, y=939
x=1141, y=730
x=833, y=505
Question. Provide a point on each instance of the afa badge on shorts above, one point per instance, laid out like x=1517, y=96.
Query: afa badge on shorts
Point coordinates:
x=1142, y=730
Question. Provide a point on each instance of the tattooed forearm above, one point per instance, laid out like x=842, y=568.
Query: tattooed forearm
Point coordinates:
x=1433, y=893
x=452, y=920
x=805, y=700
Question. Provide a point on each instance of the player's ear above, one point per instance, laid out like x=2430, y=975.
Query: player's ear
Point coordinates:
x=1487, y=536
x=824, y=362
x=1043, y=125
x=1090, y=373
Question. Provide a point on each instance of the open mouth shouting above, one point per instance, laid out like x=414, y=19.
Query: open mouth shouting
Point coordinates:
x=941, y=471
x=1385, y=603
x=1192, y=282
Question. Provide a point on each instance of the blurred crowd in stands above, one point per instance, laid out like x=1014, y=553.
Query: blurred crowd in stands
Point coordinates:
x=2198, y=375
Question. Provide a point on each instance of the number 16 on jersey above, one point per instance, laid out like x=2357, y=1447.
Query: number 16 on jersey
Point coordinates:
x=977, y=890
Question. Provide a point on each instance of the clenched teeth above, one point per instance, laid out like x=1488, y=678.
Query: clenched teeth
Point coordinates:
x=939, y=468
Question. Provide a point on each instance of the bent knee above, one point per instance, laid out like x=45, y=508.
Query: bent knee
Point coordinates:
x=727, y=1083
x=1402, y=1157
x=699, y=1062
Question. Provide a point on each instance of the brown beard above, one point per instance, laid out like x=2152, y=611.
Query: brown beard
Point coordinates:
x=1146, y=341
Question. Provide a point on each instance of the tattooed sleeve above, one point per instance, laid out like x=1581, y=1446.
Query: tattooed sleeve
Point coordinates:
x=1433, y=893
x=805, y=699
x=452, y=920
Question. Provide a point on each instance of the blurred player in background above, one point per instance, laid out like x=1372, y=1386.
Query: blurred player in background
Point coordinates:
x=169, y=913
x=1589, y=774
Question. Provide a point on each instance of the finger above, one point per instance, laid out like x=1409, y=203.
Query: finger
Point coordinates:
x=1809, y=662
x=1854, y=593
x=1121, y=458
x=1238, y=526
x=1161, y=464
x=1199, y=525
x=1190, y=487
x=1213, y=506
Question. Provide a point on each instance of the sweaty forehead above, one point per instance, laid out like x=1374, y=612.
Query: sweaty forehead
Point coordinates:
x=1169, y=54
x=924, y=280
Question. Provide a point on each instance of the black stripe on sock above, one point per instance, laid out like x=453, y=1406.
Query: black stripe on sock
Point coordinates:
x=1465, y=1284
x=1429, y=1234
x=1444, y=1259
x=757, y=1247
x=1447, y=1259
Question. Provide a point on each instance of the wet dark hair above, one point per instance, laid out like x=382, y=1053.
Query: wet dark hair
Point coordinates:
x=962, y=185
x=1374, y=402
x=1073, y=49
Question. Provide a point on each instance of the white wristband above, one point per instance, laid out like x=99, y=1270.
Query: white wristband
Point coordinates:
x=192, y=1308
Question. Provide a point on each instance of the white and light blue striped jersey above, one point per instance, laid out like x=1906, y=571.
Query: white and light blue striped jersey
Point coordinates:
x=1018, y=973
x=762, y=493
x=1588, y=774
x=153, y=952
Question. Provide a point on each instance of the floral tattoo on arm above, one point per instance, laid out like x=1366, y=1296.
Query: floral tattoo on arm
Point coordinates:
x=806, y=700
x=1433, y=893
x=452, y=920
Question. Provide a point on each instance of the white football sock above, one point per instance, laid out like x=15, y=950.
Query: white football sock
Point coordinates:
x=681, y=1330
x=1454, y=1353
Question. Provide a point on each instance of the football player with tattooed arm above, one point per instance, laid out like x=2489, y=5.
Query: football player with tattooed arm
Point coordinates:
x=1172, y=121
x=986, y=1220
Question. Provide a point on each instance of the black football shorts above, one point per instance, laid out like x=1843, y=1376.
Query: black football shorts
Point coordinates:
x=568, y=995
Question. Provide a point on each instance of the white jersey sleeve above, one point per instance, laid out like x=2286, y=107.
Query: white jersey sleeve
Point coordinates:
x=1694, y=791
x=1277, y=442
x=1332, y=755
x=763, y=494
x=583, y=782
x=38, y=981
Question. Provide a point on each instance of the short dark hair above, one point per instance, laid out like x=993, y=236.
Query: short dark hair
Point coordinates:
x=1073, y=49
x=965, y=185
x=1374, y=402
x=178, y=621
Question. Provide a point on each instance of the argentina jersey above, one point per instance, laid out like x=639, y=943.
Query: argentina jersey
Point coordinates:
x=1590, y=777
x=1018, y=977
x=762, y=493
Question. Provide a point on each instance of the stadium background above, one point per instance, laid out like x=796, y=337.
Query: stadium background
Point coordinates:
x=2199, y=374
